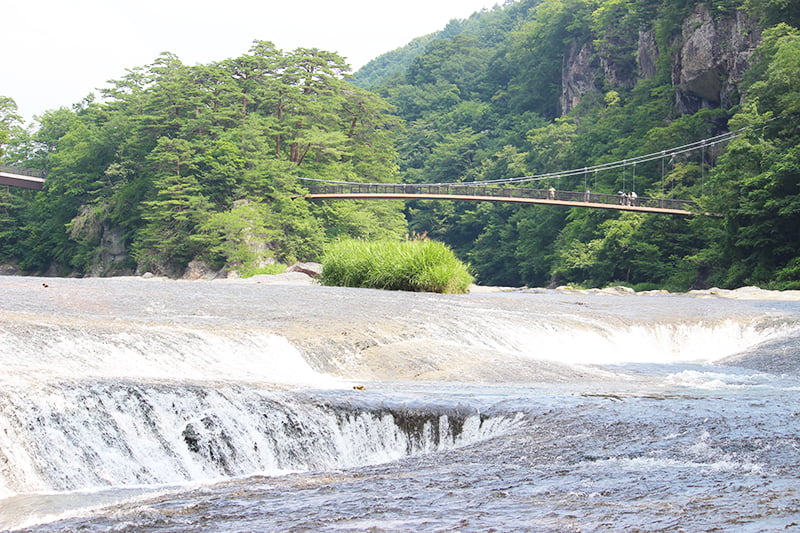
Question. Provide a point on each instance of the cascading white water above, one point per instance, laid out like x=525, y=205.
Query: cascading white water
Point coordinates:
x=78, y=435
x=88, y=407
x=585, y=340
x=525, y=345
x=101, y=400
x=151, y=352
x=111, y=405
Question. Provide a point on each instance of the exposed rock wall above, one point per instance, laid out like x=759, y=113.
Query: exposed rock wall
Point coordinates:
x=646, y=54
x=113, y=253
x=91, y=225
x=709, y=57
x=712, y=59
x=578, y=75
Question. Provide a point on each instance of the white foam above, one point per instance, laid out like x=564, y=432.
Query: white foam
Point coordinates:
x=155, y=353
x=584, y=342
x=650, y=464
x=35, y=508
x=712, y=380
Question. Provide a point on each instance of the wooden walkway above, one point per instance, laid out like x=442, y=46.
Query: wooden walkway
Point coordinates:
x=468, y=193
x=26, y=178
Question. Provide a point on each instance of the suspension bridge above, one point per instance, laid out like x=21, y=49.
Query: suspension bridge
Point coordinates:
x=508, y=189
x=500, y=190
x=34, y=179
x=472, y=193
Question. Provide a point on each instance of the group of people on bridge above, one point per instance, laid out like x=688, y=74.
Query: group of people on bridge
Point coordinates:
x=627, y=198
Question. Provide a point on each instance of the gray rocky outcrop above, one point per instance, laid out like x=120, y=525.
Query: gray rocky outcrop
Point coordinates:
x=8, y=269
x=709, y=57
x=714, y=55
x=197, y=270
x=646, y=54
x=578, y=75
x=313, y=270
x=113, y=252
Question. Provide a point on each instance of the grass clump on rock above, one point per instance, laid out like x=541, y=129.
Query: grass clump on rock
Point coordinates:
x=412, y=265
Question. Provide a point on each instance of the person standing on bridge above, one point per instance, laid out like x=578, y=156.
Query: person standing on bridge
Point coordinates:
x=587, y=196
x=552, y=192
x=632, y=198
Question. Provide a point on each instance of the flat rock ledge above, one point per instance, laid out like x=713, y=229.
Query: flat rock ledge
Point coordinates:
x=742, y=293
x=750, y=293
x=286, y=278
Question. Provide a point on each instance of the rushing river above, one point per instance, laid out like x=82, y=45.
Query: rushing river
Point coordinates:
x=150, y=405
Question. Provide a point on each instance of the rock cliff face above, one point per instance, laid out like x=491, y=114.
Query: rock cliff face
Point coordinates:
x=712, y=59
x=709, y=57
x=113, y=253
x=646, y=54
x=578, y=75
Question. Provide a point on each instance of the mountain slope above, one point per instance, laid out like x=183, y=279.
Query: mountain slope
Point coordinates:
x=573, y=83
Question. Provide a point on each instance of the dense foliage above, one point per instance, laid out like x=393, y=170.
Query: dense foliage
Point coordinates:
x=180, y=163
x=418, y=265
x=489, y=99
x=177, y=163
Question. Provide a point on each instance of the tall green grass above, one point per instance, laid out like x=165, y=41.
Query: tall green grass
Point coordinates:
x=417, y=265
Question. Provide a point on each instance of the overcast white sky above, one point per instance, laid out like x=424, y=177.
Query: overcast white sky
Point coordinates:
x=55, y=52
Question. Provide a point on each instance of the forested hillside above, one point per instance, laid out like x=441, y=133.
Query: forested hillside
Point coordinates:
x=179, y=163
x=176, y=163
x=543, y=86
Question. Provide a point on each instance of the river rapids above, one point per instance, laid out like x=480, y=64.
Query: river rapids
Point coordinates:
x=133, y=405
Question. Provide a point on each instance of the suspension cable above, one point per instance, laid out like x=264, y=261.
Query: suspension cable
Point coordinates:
x=662, y=155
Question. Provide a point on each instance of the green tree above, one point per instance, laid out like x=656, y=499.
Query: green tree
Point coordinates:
x=238, y=238
x=774, y=12
x=9, y=119
x=757, y=180
x=176, y=212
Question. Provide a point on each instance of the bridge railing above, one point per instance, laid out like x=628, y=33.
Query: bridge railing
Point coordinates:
x=20, y=171
x=502, y=192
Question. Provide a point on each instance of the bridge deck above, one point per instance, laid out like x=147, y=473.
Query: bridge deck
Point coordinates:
x=502, y=194
x=469, y=198
x=21, y=177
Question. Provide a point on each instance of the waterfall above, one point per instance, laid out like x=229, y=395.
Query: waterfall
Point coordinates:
x=81, y=435
x=585, y=340
x=104, y=395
